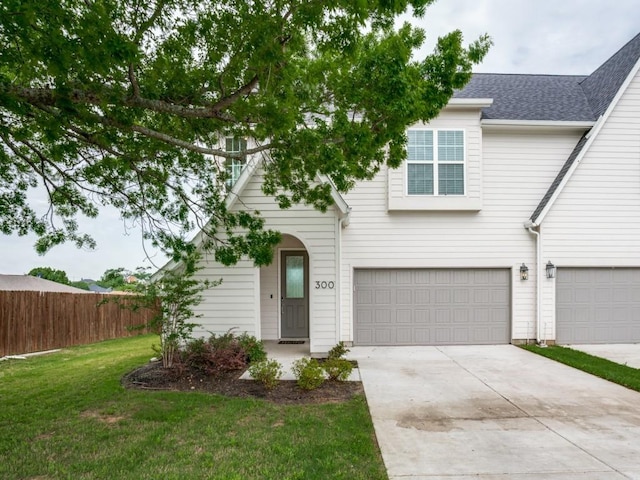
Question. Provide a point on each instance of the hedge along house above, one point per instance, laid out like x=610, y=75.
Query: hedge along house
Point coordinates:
x=515, y=218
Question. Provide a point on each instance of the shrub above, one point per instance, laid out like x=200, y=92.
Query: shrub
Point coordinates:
x=253, y=347
x=268, y=372
x=222, y=341
x=339, y=351
x=308, y=372
x=216, y=355
x=338, y=369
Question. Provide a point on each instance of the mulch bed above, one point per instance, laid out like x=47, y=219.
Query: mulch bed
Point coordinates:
x=153, y=376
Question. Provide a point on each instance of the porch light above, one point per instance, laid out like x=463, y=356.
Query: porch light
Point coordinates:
x=551, y=270
x=524, y=272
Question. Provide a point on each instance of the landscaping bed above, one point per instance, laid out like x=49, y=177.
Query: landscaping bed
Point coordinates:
x=153, y=376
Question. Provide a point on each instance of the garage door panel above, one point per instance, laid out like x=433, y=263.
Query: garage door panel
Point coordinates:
x=432, y=306
x=404, y=297
x=598, y=305
x=422, y=336
x=403, y=336
x=422, y=297
x=364, y=297
x=422, y=316
x=382, y=316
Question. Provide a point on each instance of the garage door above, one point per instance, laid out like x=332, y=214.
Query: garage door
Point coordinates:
x=431, y=307
x=598, y=305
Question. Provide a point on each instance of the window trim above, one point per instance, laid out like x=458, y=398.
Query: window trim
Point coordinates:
x=436, y=162
x=233, y=165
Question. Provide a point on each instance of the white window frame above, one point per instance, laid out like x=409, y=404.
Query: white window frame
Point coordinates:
x=235, y=166
x=435, y=162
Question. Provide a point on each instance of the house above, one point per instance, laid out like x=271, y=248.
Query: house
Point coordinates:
x=94, y=287
x=19, y=283
x=515, y=219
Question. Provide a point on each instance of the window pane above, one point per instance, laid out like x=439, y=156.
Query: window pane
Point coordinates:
x=234, y=166
x=451, y=181
x=235, y=144
x=420, y=179
x=295, y=276
x=420, y=146
x=451, y=146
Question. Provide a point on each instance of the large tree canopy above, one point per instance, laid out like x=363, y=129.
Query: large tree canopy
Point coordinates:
x=129, y=104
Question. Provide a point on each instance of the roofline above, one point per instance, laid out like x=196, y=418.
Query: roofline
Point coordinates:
x=237, y=189
x=469, y=102
x=590, y=138
x=556, y=124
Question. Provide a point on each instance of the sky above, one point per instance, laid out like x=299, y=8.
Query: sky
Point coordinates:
x=568, y=37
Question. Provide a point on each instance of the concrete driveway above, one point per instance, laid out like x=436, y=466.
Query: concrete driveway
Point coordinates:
x=496, y=412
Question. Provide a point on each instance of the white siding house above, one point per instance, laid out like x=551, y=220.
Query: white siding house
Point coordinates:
x=517, y=171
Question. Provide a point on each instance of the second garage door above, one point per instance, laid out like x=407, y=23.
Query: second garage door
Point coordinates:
x=598, y=305
x=431, y=306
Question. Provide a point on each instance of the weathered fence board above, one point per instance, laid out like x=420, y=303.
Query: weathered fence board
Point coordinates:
x=38, y=321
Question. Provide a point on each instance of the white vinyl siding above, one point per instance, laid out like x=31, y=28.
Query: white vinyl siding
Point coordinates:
x=595, y=221
x=435, y=162
x=517, y=165
x=254, y=306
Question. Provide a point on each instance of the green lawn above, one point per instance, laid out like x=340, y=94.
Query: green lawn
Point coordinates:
x=65, y=415
x=614, y=372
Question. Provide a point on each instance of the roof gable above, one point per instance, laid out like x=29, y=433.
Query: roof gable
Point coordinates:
x=602, y=85
x=605, y=86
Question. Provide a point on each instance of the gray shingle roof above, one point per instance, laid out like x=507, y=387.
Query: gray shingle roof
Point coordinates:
x=530, y=97
x=602, y=85
x=553, y=97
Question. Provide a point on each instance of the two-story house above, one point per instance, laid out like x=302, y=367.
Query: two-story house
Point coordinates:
x=515, y=218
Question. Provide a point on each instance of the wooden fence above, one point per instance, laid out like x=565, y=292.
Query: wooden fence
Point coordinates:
x=39, y=321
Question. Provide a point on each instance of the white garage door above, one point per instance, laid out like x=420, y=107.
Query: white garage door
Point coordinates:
x=598, y=305
x=432, y=306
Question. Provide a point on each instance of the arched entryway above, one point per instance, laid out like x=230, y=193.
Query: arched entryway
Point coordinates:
x=284, y=292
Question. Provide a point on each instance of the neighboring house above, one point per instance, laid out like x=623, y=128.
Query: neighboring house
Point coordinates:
x=28, y=283
x=517, y=172
x=94, y=287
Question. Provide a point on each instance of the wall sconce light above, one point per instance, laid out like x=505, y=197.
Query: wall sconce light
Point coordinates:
x=551, y=270
x=524, y=272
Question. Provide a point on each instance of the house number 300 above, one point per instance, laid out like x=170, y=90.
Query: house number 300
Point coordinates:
x=325, y=285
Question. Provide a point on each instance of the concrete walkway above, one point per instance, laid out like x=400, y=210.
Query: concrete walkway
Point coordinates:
x=496, y=412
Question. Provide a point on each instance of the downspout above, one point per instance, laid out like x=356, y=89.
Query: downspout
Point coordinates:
x=341, y=224
x=530, y=227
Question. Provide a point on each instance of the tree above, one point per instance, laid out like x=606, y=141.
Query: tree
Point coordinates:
x=48, y=273
x=131, y=104
x=113, y=278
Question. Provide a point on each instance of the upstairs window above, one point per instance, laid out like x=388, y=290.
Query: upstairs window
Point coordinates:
x=435, y=162
x=234, y=166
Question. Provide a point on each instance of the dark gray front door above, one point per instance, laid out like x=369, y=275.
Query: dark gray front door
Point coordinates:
x=295, y=297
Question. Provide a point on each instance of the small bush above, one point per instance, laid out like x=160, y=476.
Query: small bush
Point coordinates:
x=268, y=372
x=337, y=369
x=253, y=347
x=339, y=351
x=308, y=372
x=214, y=356
x=222, y=341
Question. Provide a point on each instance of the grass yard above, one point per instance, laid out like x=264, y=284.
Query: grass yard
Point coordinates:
x=614, y=372
x=65, y=415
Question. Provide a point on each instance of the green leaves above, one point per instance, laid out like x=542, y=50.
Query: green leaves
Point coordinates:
x=129, y=104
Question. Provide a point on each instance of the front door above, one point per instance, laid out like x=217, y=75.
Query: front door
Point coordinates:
x=294, y=289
